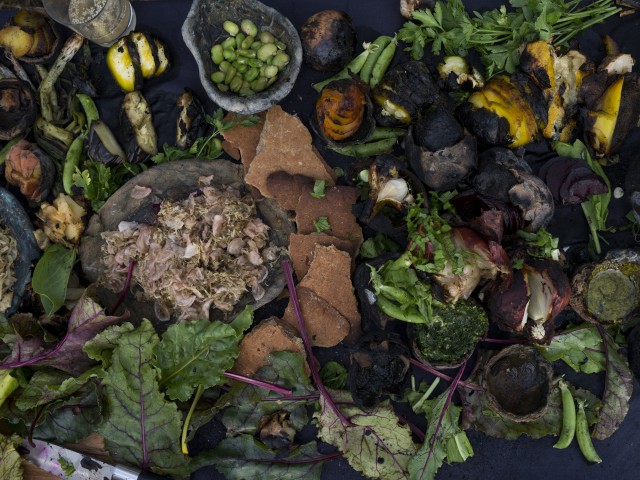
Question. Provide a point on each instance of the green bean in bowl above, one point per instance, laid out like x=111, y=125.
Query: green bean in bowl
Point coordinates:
x=248, y=60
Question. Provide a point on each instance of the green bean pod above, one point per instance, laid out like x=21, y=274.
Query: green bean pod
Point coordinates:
x=71, y=162
x=584, y=437
x=394, y=293
x=383, y=62
x=386, y=132
x=377, y=47
x=411, y=314
x=568, y=417
x=370, y=149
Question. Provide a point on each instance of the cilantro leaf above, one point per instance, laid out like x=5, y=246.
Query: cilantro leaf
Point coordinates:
x=322, y=224
x=318, y=189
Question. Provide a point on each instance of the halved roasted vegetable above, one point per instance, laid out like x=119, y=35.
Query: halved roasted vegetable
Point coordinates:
x=17, y=108
x=137, y=121
x=135, y=57
x=30, y=36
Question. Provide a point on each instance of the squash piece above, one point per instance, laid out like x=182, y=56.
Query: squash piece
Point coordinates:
x=16, y=40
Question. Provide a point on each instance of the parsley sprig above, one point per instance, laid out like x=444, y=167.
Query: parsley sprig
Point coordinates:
x=498, y=34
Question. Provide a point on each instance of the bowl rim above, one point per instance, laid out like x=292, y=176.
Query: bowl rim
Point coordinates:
x=232, y=102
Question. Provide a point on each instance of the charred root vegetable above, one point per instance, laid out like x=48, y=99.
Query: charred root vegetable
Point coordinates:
x=528, y=303
x=343, y=112
x=30, y=169
x=508, y=111
x=17, y=108
x=402, y=92
x=570, y=180
x=328, y=40
x=517, y=381
x=455, y=73
x=490, y=217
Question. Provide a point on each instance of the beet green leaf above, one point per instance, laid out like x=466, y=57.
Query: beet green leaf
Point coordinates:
x=141, y=427
x=10, y=459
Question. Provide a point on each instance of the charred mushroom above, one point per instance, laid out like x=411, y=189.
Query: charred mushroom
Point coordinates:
x=506, y=177
x=402, y=92
x=451, y=336
x=17, y=108
x=517, y=382
x=15, y=224
x=328, y=40
x=30, y=168
x=608, y=292
x=343, y=112
x=439, y=151
x=528, y=303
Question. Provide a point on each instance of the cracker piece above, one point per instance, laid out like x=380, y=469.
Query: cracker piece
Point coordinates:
x=285, y=145
x=286, y=189
x=241, y=142
x=270, y=335
x=301, y=248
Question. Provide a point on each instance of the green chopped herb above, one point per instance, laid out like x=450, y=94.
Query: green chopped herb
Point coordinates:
x=66, y=466
x=318, y=189
x=322, y=224
x=541, y=244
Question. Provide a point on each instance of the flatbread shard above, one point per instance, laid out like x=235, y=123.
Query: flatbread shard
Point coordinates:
x=270, y=335
x=301, y=249
x=286, y=189
x=336, y=206
x=241, y=142
x=286, y=145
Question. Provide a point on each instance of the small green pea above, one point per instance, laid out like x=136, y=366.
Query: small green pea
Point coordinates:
x=246, y=43
x=271, y=71
x=280, y=45
x=216, y=54
x=281, y=60
x=245, y=92
x=256, y=45
x=239, y=39
x=266, y=51
x=229, y=74
x=229, y=43
x=249, y=27
x=222, y=87
x=224, y=66
x=217, y=77
x=235, y=84
x=229, y=54
x=259, y=84
x=267, y=37
x=251, y=74
x=231, y=28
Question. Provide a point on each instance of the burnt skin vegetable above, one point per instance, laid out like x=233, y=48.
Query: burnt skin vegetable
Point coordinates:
x=584, y=438
x=568, y=417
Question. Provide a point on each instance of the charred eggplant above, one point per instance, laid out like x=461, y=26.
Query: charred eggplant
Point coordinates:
x=328, y=40
x=191, y=120
x=17, y=108
x=138, y=125
x=103, y=145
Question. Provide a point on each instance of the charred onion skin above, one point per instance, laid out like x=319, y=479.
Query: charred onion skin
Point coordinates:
x=343, y=112
x=517, y=382
x=570, y=180
x=328, y=40
x=29, y=168
x=17, y=108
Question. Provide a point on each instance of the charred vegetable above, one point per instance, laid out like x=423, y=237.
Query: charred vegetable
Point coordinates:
x=62, y=221
x=452, y=334
x=570, y=180
x=608, y=292
x=191, y=120
x=529, y=302
x=15, y=223
x=52, y=139
x=403, y=91
x=17, y=108
x=614, y=114
x=455, y=73
x=328, y=40
x=30, y=169
x=103, y=145
x=508, y=111
x=31, y=36
x=517, y=381
x=378, y=366
x=439, y=151
x=504, y=176
x=136, y=57
x=343, y=112
x=137, y=121
x=490, y=217
x=389, y=184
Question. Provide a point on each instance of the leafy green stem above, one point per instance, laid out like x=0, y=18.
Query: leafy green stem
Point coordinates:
x=187, y=421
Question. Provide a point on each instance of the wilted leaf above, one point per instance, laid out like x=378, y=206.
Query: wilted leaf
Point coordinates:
x=196, y=353
x=101, y=346
x=244, y=457
x=334, y=375
x=10, y=460
x=579, y=347
x=51, y=276
x=140, y=428
x=376, y=445
x=617, y=390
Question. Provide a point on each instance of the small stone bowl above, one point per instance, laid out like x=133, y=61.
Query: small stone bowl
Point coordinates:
x=203, y=28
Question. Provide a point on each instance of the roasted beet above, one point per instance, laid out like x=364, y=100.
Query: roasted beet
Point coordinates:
x=378, y=366
x=437, y=128
x=490, y=217
x=328, y=40
x=570, y=180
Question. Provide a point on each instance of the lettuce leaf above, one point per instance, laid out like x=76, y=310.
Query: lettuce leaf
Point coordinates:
x=197, y=353
x=141, y=427
x=376, y=445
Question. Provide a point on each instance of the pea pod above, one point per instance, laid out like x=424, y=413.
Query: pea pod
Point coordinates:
x=394, y=293
x=377, y=47
x=386, y=132
x=383, y=62
x=89, y=107
x=352, y=68
x=568, y=417
x=584, y=438
x=370, y=149
x=410, y=314
x=71, y=162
